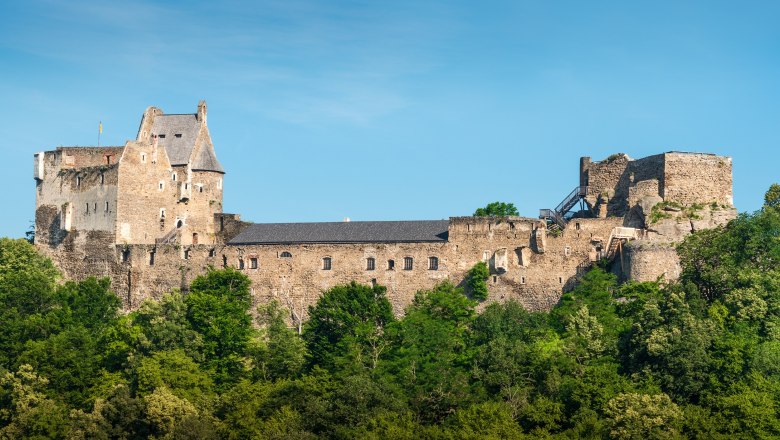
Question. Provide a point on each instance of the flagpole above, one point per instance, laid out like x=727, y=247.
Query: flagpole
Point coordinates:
x=100, y=131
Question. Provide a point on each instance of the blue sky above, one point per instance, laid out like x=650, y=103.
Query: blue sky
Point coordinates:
x=321, y=110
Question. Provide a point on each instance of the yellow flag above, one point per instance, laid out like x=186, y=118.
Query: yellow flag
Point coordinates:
x=100, y=127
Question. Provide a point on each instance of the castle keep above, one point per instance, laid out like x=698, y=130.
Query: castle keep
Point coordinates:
x=149, y=216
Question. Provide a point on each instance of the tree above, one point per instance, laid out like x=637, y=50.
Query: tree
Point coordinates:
x=641, y=416
x=282, y=353
x=496, y=209
x=476, y=280
x=348, y=320
x=217, y=307
x=772, y=196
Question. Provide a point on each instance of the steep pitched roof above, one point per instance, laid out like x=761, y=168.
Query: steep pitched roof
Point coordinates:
x=179, y=149
x=206, y=160
x=344, y=232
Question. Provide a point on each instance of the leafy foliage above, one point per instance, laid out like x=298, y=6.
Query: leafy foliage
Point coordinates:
x=695, y=359
x=476, y=280
x=496, y=209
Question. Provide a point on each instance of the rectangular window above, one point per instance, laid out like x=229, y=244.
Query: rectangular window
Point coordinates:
x=87, y=211
x=151, y=258
x=326, y=263
x=408, y=263
x=186, y=254
x=433, y=263
x=522, y=280
x=125, y=255
x=253, y=263
x=106, y=206
x=370, y=263
x=240, y=264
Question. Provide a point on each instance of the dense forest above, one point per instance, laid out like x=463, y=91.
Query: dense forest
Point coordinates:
x=698, y=358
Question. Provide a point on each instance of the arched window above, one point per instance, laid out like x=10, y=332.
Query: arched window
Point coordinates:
x=408, y=263
x=179, y=223
x=285, y=254
x=370, y=263
x=390, y=264
x=433, y=263
x=326, y=263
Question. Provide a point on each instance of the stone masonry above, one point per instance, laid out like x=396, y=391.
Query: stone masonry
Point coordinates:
x=149, y=216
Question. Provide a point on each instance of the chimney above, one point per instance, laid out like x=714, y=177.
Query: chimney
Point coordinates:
x=202, y=112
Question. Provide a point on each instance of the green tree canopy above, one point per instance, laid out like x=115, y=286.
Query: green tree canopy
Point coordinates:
x=496, y=209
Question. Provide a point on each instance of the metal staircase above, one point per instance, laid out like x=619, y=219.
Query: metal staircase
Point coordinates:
x=556, y=217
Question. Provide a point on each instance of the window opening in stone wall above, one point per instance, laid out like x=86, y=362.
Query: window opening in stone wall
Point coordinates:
x=94, y=207
x=433, y=263
x=102, y=178
x=194, y=238
x=285, y=254
x=560, y=280
x=567, y=251
x=143, y=158
x=326, y=263
x=173, y=176
x=106, y=206
x=125, y=255
x=224, y=261
x=522, y=280
x=240, y=264
x=178, y=135
x=408, y=263
x=577, y=226
x=161, y=136
x=186, y=254
x=495, y=278
x=108, y=159
x=179, y=224
x=200, y=188
x=87, y=211
x=253, y=263
x=212, y=253
x=373, y=282
x=468, y=227
x=390, y=264
x=370, y=263
x=78, y=181
x=151, y=258
x=162, y=213
x=161, y=186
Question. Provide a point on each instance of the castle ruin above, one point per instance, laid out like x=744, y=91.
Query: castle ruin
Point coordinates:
x=149, y=216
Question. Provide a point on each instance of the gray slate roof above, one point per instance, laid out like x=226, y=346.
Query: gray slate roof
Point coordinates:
x=206, y=160
x=178, y=149
x=411, y=231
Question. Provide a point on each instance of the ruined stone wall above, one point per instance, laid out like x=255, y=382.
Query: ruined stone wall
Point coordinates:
x=70, y=198
x=698, y=178
x=607, y=183
x=539, y=266
x=646, y=261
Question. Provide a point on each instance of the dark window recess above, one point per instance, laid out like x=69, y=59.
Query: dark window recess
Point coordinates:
x=240, y=264
x=373, y=282
x=370, y=263
x=390, y=264
x=212, y=252
x=408, y=263
x=178, y=135
x=285, y=254
x=151, y=258
x=326, y=263
x=125, y=255
x=224, y=261
x=186, y=254
x=495, y=278
x=433, y=263
x=161, y=136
